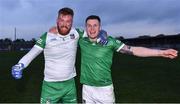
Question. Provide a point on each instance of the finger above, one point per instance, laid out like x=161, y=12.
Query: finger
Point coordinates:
x=172, y=56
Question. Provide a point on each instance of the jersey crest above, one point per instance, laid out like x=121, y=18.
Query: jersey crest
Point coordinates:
x=72, y=36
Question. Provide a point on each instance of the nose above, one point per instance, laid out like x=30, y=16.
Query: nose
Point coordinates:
x=92, y=28
x=64, y=23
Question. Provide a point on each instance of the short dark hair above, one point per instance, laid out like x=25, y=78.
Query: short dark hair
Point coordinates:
x=93, y=17
x=66, y=11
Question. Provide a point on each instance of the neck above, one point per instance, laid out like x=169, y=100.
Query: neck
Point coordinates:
x=93, y=40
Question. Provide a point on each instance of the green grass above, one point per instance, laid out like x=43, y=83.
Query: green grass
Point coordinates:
x=135, y=79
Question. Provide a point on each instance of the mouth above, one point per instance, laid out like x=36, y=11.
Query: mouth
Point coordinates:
x=63, y=30
x=64, y=27
x=92, y=32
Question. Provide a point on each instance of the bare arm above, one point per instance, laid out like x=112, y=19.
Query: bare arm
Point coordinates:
x=148, y=52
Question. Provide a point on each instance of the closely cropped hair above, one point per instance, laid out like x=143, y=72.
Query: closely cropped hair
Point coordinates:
x=66, y=11
x=93, y=17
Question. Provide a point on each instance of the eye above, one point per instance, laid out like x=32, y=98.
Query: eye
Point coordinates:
x=60, y=20
x=69, y=22
x=88, y=26
x=96, y=25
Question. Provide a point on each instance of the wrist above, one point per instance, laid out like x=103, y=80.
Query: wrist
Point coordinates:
x=19, y=66
x=159, y=53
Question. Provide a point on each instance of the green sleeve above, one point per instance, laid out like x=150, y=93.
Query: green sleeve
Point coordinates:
x=42, y=40
x=80, y=31
x=116, y=43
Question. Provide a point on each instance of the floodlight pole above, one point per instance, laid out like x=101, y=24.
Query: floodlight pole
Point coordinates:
x=15, y=33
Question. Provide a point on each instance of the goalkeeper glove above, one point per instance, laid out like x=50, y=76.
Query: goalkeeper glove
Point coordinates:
x=102, y=37
x=17, y=70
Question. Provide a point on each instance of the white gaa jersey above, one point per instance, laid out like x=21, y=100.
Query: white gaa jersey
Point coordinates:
x=59, y=54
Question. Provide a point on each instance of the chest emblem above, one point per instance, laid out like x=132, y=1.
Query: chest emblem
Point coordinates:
x=72, y=36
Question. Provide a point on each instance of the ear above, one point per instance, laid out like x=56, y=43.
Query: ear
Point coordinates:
x=56, y=20
x=100, y=26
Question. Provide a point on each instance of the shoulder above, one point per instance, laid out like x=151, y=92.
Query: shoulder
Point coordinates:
x=114, y=41
x=46, y=38
x=74, y=33
x=79, y=30
x=42, y=40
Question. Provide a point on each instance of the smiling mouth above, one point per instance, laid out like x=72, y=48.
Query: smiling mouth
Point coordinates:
x=92, y=32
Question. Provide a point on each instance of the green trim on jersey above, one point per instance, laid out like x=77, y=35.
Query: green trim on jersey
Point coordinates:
x=80, y=31
x=96, y=61
x=42, y=40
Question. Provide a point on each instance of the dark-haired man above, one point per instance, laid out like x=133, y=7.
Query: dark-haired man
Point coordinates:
x=96, y=61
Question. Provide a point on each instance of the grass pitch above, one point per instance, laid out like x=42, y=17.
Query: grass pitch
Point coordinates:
x=136, y=80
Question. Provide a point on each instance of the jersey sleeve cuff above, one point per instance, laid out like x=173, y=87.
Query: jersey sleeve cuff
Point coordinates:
x=38, y=47
x=120, y=47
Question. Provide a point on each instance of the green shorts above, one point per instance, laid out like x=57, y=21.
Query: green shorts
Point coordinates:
x=59, y=92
